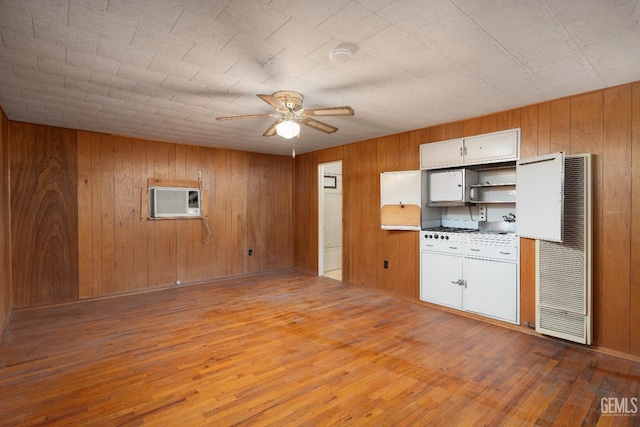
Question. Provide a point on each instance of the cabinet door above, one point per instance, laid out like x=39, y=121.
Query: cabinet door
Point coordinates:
x=491, y=289
x=540, y=197
x=439, y=275
x=492, y=147
x=400, y=199
x=441, y=154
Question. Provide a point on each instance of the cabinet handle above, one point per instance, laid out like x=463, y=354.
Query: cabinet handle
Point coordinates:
x=474, y=250
x=429, y=246
x=453, y=247
x=505, y=253
x=460, y=151
x=465, y=150
x=458, y=282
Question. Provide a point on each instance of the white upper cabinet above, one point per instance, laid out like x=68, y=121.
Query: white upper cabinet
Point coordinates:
x=441, y=154
x=492, y=147
x=487, y=148
x=540, y=197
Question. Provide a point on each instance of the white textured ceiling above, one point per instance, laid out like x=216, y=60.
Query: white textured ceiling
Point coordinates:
x=165, y=69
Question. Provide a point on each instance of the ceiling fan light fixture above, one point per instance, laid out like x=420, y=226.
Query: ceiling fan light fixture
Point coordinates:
x=288, y=129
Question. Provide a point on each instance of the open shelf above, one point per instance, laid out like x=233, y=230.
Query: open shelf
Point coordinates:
x=489, y=202
x=503, y=184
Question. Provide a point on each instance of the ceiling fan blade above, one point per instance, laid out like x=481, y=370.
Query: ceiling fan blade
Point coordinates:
x=318, y=125
x=250, y=116
x=272, y=129
x=273, y=101
x=329, y=111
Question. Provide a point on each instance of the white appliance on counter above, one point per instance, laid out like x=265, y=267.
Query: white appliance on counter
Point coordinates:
x=450, y=187
x=472, y=271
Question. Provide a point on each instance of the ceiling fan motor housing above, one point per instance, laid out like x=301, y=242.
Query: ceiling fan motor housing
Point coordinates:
x=291, y=100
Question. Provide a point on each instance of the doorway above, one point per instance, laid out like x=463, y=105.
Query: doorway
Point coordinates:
x=330, y=220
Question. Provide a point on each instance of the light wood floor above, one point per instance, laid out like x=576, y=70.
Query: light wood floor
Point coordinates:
x=290, y=349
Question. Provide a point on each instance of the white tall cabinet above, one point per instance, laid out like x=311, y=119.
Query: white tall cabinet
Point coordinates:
x=483, y=276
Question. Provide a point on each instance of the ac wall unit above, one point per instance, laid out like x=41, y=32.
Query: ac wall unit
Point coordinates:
x=563, y=269
x=172, y=202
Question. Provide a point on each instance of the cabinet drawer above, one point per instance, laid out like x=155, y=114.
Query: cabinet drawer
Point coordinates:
x=449, y=248
x=479, y=250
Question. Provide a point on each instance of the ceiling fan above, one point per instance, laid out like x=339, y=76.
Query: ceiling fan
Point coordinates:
x=290, y=113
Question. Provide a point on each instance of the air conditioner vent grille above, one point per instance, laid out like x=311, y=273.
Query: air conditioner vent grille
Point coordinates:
x=563, y=282
x=562, y=272
x=566, y=324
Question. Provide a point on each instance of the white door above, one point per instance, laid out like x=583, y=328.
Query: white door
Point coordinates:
x=330, y=220
x=400, y=199
x=540, y=197
x=440, y=279
x=490, y=289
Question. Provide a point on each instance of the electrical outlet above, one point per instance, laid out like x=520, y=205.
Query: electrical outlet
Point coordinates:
x=482, y=213
x=199, y=174
x=250, y=252
x=177, y=282
x=386, y=263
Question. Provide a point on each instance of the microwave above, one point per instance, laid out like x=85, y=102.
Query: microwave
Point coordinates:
x=450, y=187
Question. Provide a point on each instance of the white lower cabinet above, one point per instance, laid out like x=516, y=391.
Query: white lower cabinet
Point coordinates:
x=490, y=288
x=439, y=276
x=479, y=276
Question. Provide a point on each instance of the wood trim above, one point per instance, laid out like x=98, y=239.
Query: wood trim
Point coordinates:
x=5, y=224
x=634, y=291
x=159, y=182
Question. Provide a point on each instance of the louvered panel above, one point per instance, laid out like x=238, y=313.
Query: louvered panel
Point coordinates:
x=566, y=325
x=561, y=275
x=562, y=266
x=563, y=279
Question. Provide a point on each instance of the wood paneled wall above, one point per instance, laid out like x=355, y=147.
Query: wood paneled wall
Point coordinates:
x=5, y=243
x=249, y=207
x=605, y=123
x=76, y=225
x=44, y=215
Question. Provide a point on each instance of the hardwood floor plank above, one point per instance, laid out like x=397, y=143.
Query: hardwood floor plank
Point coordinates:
x=286, y=348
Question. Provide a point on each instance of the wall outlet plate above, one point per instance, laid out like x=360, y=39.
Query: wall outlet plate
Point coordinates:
x=482, y=213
